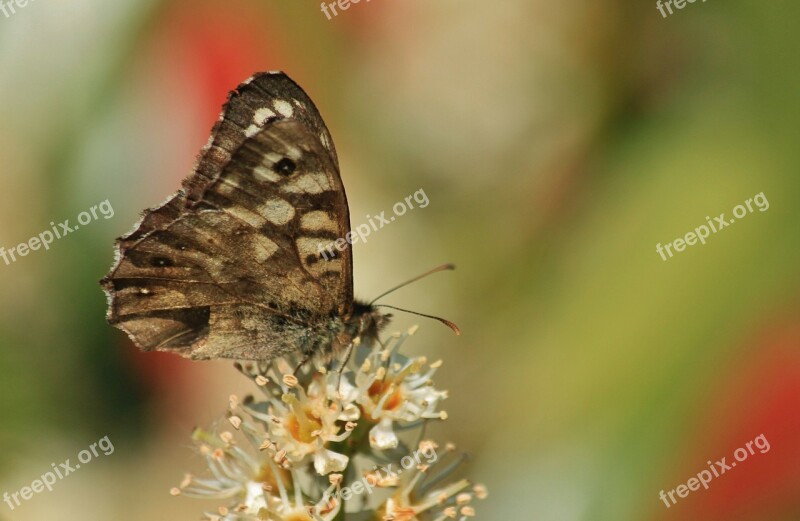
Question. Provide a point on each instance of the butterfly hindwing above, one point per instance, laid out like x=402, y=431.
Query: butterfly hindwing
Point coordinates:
x=230, y=266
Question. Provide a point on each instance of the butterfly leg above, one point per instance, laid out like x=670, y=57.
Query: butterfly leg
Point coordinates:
x=303, y=362
x=345, y=359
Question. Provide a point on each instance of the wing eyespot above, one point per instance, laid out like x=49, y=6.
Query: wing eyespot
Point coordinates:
x=285, y=166
x=161, y=262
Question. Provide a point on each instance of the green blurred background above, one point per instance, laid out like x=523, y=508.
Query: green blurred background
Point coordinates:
x=558, y=143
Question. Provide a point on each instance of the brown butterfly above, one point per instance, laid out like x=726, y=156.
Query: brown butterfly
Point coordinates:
x=238, y=263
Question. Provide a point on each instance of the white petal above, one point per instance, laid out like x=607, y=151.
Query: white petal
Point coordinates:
x=255, y=497
x=327, y=461
x=382, y=436
x=349, y=413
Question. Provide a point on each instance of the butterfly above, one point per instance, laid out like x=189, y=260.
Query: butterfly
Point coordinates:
x=238, y=263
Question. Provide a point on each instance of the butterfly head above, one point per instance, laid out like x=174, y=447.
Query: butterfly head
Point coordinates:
x=377, y=320
x=369, y=321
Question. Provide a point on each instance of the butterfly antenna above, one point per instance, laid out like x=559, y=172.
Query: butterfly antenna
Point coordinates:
x=437, y=269
x=444, y=321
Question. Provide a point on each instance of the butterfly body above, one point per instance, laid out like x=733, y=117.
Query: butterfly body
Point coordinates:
x=231, y=266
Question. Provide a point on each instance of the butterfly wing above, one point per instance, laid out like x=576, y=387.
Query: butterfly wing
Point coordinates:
x=231, y=266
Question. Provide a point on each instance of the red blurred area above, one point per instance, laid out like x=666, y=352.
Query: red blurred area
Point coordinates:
x=214, y=48
x=762, y=396
x=205, y=49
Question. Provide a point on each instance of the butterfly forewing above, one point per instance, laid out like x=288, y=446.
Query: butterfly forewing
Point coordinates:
x=231, y=265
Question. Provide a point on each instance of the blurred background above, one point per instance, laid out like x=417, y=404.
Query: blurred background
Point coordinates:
x=558, y=143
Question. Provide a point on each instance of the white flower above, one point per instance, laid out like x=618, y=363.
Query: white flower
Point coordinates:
x=393, y=389
x=255, y=485
x=302, y=423
x=414, y=496
x=314, y=424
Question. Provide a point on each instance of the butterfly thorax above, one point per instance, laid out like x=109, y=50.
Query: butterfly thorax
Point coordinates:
x=329, y=339
x=367, y=321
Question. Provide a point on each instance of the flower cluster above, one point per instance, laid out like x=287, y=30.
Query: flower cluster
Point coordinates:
x=307, y=436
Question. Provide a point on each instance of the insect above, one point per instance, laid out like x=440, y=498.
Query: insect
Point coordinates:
x=237, y=264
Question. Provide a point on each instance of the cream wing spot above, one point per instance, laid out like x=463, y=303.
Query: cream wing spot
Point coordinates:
x=311, y=183
x=263, y=173
x=309, y=249
x=227, y=186
x=310, y=245
x=262, y=115
x=259, y=118
x=318, y=221
x=277, y=211
x=243, y=214
x=284, y=108
x=293, y=153
x=263, y=248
